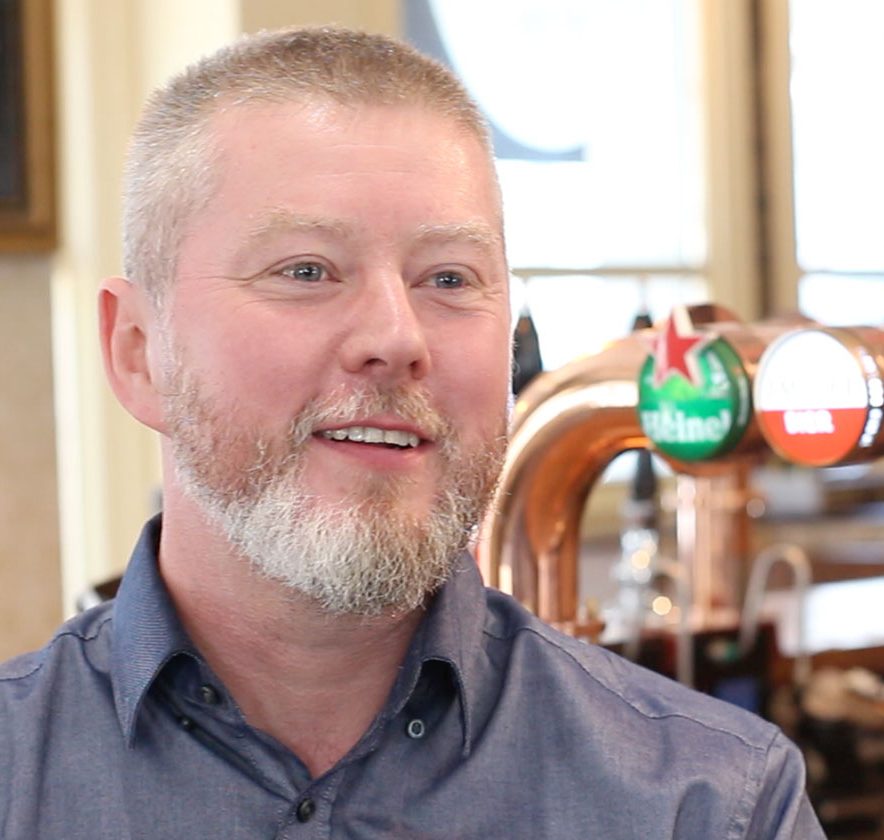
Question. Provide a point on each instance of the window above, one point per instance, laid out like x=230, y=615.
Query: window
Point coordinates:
x=595, y=111
x=837, y=138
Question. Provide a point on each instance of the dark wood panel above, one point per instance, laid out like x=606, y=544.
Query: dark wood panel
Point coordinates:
x=27, y=148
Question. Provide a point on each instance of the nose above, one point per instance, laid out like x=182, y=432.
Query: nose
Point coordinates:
x=386, y=337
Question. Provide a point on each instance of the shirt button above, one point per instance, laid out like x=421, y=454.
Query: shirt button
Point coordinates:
x=416, y=729
x=306, y=809
x=209, y=695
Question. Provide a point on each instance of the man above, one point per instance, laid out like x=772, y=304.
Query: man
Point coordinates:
x=316, y=322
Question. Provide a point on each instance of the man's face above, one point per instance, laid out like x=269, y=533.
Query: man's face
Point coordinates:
x=339, y=332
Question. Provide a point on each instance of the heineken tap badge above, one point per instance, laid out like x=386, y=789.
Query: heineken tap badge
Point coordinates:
x=694, y=395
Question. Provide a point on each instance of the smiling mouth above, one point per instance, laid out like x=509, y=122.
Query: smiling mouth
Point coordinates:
x=395, y=438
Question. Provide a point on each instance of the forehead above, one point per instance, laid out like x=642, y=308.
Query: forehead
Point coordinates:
x=322, y=113
x=284, y=146
x=371, y=178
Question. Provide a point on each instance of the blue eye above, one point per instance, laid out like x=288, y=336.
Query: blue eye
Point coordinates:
x=309, y=272
x=448, y=280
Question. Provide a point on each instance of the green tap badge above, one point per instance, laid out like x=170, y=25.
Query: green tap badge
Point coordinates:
x=694, y=396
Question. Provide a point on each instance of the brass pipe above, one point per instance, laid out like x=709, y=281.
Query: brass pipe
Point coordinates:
x=567, y=427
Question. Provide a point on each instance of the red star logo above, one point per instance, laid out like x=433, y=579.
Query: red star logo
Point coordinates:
x=676, y=347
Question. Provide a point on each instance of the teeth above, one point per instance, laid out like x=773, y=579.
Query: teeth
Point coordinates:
x=370, y=434
x=399, y=438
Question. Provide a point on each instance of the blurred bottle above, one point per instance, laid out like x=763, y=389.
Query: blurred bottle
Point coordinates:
x=526, y=352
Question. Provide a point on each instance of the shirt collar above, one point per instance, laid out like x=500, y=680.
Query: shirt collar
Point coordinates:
x=148, y=634
x=146, y=630
x=451, y=632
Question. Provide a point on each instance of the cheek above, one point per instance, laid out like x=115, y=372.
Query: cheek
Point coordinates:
x=280, y=342
x=477, y=383
x=260, y=373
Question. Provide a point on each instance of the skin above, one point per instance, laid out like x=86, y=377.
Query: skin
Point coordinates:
x=344, y=246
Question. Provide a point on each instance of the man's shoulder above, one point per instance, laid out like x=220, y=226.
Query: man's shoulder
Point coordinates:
x=52, y=698
x=587, y=719
x=80, y=644
x=59, y=732
x=606, y=685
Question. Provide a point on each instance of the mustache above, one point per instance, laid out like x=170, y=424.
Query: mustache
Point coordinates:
x=412, y=405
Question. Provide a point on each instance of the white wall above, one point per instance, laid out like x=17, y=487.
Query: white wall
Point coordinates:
x=30, y=594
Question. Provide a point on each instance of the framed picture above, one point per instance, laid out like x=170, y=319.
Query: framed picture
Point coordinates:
x=27, y=149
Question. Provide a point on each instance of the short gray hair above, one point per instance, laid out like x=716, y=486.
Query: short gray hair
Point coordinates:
x=169, y=170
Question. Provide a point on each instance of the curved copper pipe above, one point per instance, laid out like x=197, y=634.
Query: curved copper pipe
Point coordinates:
x=568, y=426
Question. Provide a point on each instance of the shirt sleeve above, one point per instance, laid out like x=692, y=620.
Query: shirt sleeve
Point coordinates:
x=782, y=809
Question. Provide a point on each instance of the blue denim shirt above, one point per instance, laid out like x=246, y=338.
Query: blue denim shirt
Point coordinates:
x=497, y=727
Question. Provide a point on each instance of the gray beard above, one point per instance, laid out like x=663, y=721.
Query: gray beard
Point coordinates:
x=363, y=555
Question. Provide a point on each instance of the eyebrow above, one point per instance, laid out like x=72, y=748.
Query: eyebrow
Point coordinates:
x=476, y=233
x=281, y=220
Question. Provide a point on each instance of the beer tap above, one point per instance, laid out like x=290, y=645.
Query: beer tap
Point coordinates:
x=796, y=558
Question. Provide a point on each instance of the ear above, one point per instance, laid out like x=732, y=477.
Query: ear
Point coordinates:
x=126, y=327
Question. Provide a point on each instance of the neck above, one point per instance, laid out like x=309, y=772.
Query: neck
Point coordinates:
x=312, y=680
